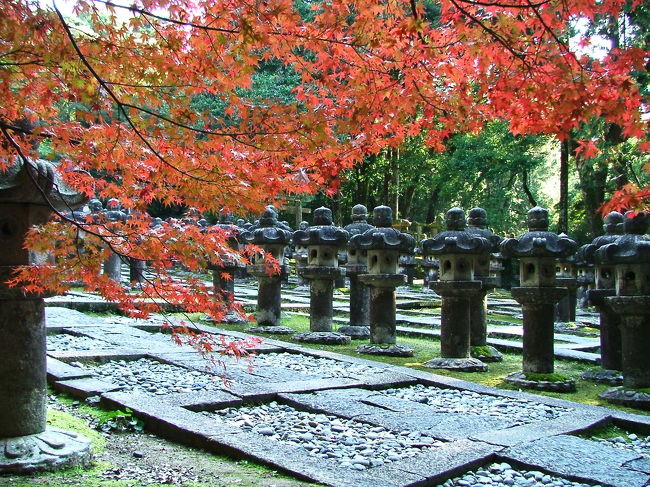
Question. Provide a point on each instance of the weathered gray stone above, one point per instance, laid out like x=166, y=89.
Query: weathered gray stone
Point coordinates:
x=565, y=455
x=28, y=191
x=383, y=245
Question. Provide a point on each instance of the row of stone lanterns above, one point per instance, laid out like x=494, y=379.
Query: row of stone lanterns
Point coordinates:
x=465, y=278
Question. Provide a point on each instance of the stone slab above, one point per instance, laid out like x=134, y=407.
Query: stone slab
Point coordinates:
x=86, y=387
x=570, y=423
x=449, y=460
x=59, y=371
x=566, y=456
x=298, y=462
x=172, y=422
x=399, y=415
x=100, y=355
x=269, y=391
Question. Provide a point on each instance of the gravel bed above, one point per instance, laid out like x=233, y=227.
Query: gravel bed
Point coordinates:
x=502, y=474
x=638, y=444
x=308, y=365
x=153, y=378
x=64, y=342
x=353, y=444
x=467, y=402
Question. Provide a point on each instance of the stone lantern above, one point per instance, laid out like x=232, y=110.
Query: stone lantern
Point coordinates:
x=457, y=251
x=483, y=271
x=566, y=276
x=227, y=265
x=537, y=251
x=323, y=241
x=112, y=215
x=383, y=245
x=610, y=323
x=272, y=239
x=630, y=255
x=431, y=268
x=584, y=277
x=27, y=195
x=357, y=265
x=407, y=266
x=301, y=257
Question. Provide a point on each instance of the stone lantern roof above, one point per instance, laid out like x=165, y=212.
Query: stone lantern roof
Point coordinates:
x=477, y=225
x=383, y=236
x=38, y=183
x=323, y=232
x=114, y=211
x=269, y=231
x=359, y=221
x=538, y=241
x=613, y=225
x=456, y=240
x=226, y=224
x=633, y=247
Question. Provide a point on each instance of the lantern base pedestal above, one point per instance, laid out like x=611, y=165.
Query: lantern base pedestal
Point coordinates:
x=231, y=317
x=604, y=376
x=275, y=330
x=627, y=397
x=355, y=332
x=322, y=337
x=389, y=350
x=53, y=449
x=519, y=379
x=486, y=353
x=458, y=364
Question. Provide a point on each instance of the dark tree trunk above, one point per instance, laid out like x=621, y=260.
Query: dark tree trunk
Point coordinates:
x=529, y=194
x=433, y=204
x=563, y=221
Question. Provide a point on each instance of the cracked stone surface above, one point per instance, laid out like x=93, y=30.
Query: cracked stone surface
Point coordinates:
x=53, y=449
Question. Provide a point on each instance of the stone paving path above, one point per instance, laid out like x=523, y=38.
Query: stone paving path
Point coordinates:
x=338, y=420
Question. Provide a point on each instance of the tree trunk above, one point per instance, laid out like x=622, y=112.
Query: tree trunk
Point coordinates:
x=433, y=204
x=407, y=201
x=563, y=221
x=529, y=194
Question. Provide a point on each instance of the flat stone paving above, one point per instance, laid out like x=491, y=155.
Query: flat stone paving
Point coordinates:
x=338, y=420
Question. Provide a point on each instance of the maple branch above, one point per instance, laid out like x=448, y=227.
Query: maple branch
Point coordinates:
x=504, y=5
x=563, y=45
x=119, y=103
x=493, y=34
x=147, y=13
x=233, y=135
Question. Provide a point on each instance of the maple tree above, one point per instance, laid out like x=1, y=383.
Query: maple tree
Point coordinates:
x=118, y=99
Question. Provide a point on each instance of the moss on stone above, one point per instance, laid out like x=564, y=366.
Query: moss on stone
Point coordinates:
x=555, y=377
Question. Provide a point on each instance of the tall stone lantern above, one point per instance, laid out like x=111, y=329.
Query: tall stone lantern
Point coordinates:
x=566, y=275
x=477, y=226
x=356, y=266
x=457, y=251
x=584, y=277
x=227, y=265
x=300, y=255
x=537, y=251
x=272, y=238
x=383, y=245
x=323, y=241
x=611, y=358
x=113, y=214
x=630, y=255
x=28, y=192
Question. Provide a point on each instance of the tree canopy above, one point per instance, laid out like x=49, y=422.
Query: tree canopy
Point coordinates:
x=165, y=100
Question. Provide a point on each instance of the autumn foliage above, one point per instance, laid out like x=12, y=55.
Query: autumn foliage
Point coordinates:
x=113, y=98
